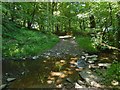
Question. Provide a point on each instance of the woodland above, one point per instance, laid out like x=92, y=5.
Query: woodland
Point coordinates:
x=56, y=44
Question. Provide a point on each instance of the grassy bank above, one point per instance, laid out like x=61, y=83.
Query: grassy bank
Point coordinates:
x=21, y=42
x=86, y=44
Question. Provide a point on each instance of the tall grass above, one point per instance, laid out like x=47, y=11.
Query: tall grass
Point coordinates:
x=24, y=42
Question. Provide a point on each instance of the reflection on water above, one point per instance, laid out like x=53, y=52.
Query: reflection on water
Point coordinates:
x=39, y=73
x=45, y=73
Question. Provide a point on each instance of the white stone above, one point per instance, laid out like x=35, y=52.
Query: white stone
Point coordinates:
x=10, y=79
x=3, y=86
x=104, y=65
x=115, y=83
x=63, y=37
x=35, y=57
x=79, y=86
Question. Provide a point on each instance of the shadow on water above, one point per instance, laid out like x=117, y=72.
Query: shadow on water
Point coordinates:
x=47, y=72
x=42, y=73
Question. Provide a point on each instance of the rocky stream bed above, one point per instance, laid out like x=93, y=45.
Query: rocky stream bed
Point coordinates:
x=65, y=66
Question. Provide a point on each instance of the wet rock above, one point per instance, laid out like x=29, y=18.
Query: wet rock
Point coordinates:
x=47, y=57
x=83, y=57
x=35, y=57
x=58, y=81
x=80, y=82
x=3, y=86
x=107, y=65
x=24, y=58
x=59, y=86
x=6, y=74
x=58, y=53
x=48, y=54
x=86, y=54
x=94, y=59
x=79, y=86
x=57, y=74
x=91, y=61
x=73, y=62
x=49, y=81
x=115, y=83
x=81, y=63
x=93, y=66
x=90, y=78
x=69, y=86
x=69, y=80
x=10, y=79
x=79, y=69
x=92, y=56
x=23, y=73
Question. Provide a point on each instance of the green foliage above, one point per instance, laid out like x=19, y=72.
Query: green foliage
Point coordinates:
x=86, y=44
x=23, y=42
x=112, y=73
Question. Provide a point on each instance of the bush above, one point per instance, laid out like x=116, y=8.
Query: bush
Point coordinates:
x=112, y=73
x=86, y=44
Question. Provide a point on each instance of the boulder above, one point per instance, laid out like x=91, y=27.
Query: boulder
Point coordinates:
x=90, y=78
x=81, y=63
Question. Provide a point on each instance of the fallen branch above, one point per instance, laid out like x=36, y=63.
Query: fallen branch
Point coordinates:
x=110, y=47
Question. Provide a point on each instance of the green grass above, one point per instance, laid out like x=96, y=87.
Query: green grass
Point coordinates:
x=112, y=73
x=86, y=44
x=21, y=42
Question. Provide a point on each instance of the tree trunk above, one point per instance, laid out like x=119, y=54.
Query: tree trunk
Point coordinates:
x=110, y=7
x=80, y=25
x=29, y=24
x=83, y=24
x=92, y=21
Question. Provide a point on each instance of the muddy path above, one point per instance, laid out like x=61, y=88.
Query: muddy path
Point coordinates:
x=65, y=47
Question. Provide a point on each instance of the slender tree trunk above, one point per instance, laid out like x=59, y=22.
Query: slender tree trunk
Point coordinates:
x=80, y=25
x=110, y=7
x=30, y=21
x=92, y=22
x=83, y=24
x=29, y=24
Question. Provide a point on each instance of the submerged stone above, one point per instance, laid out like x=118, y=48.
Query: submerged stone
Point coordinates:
x=81, y=63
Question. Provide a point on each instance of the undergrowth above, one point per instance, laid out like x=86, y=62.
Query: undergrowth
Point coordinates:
x=86, y=44
x=21, y=42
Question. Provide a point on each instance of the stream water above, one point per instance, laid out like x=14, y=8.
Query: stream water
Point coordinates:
x=42, y=73
x=50, y=73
